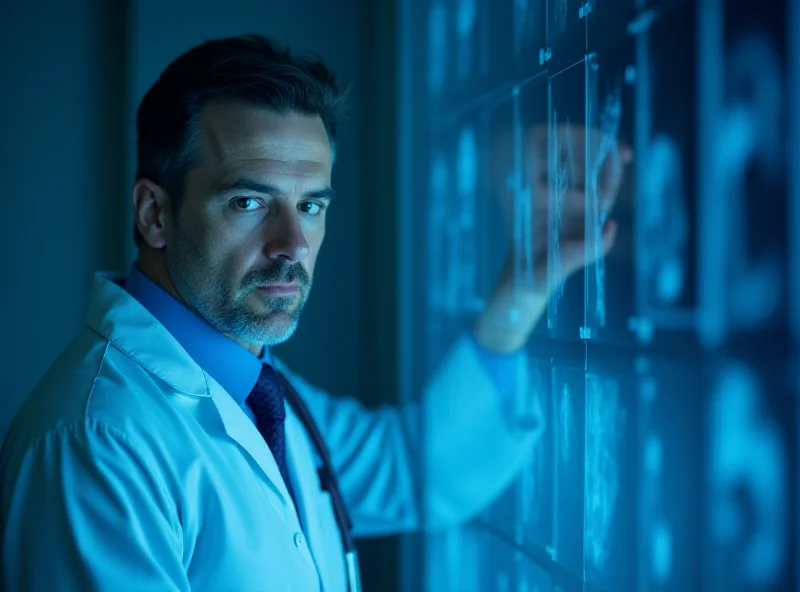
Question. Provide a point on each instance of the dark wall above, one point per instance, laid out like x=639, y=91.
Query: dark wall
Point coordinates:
x=61, y=165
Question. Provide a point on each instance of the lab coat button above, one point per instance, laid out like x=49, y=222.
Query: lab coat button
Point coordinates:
x=298, y=539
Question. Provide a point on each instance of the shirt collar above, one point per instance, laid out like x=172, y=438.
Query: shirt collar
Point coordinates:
x=232, y=366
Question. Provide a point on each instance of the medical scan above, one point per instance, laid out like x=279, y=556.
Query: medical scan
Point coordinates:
x=663, y=375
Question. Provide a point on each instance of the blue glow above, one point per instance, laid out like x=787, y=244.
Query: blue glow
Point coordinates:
x=521, y=8
x=467, y=162
x=502, y=582
x=646, y=477
x=661, y=545
x=602, y=158
x=526, y=16
x=523, y=204
x=748, y=142
x=757, y=283
x=567, y=428
x=437, y=44
x=601, y=473
x=748, y=456
x=440, y=272
x=561, y=176
x=557, y=11
x=653, y=451
x=533, y=482
x=467, y=184
x=671, y=277
x=666, y=220
x=466, y=13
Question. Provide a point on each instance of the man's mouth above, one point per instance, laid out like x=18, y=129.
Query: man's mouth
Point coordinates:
x=279, y=289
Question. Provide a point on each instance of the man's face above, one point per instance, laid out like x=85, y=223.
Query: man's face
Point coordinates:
x=252, y=220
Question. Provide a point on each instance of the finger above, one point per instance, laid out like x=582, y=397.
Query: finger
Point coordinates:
x=571, y=213
x=569, y=146
x=538, y=139
x=565, y=147
x=572, y=153
x=573, y=202
x=574, y=254
x=609, y=236
x=571, y=169
x=625, y=153
x=612, y=177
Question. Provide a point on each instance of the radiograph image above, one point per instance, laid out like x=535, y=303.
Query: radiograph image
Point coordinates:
x=660, y=380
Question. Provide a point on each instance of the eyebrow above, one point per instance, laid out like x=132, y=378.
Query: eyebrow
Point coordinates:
x=269, y=189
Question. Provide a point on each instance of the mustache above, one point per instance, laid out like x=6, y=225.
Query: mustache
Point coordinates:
x=279, y=272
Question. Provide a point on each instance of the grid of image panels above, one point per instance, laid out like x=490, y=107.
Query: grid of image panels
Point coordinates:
x=665, y=373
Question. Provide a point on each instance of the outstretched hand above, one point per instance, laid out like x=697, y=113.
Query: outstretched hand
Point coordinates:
x=559, y=185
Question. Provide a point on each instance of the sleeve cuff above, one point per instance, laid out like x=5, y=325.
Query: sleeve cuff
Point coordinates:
x=501, y=367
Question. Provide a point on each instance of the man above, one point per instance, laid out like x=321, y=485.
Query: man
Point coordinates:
x=152, y=455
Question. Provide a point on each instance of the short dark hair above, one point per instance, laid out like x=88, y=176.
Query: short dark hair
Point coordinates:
x=248, y=68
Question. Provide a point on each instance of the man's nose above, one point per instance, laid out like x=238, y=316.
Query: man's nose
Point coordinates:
x=286, y=238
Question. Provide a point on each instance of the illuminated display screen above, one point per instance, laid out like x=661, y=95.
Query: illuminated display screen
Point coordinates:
x=664, y=372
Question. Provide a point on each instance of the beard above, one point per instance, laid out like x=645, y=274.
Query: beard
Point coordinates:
x=246, y=313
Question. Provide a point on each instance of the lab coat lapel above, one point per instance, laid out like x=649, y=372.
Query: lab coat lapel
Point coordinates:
x=123, y=321
x=239, y=427
x=316, y=512
x=303, y=470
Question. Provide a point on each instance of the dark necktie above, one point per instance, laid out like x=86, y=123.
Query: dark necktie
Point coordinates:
x=266, y=401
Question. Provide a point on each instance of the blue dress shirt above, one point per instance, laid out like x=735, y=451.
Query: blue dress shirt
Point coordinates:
x=232, y=366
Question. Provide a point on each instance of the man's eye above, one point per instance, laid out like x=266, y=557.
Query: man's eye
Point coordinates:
x=245, y=203
x=311, y=208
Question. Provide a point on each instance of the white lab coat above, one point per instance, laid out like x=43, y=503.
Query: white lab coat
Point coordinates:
x=130, y=468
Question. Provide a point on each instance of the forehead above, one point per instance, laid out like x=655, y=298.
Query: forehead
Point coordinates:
x=244, y=139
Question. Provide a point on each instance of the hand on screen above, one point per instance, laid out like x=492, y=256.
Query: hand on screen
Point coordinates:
x=558, y=181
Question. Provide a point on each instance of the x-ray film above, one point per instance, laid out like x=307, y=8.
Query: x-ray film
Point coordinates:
x=750, y=472
x=661, y=380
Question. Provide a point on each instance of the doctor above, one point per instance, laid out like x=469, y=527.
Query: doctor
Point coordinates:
x=166, y=449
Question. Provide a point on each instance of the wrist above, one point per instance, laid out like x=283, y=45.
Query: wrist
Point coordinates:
x=509, y=318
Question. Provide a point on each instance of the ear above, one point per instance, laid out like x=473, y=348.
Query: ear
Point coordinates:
x=151, y=210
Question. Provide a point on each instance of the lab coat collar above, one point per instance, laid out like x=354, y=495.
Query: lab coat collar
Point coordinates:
x=122, y=320
x=231, y=365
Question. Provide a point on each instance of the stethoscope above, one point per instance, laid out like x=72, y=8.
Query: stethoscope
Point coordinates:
x=327, y=478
